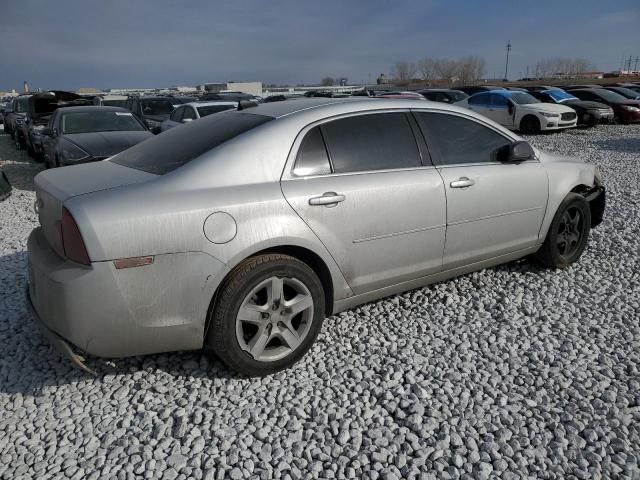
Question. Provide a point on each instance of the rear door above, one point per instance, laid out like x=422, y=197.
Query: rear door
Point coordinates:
x=493, y=208
x=500, y=112
x=364, y=187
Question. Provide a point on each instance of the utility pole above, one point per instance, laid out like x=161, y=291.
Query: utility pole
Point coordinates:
x=506, y=66
x=629, y=63
x=636, y=67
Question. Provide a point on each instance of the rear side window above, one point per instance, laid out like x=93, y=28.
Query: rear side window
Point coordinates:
x=479, y=99
x=178, y=146
x=312, y=156
x=371, y=142
x=455, y=140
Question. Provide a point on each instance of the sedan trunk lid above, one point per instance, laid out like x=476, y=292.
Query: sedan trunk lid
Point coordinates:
x=54, y=187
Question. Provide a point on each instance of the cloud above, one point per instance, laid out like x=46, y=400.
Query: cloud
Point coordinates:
x=70, y=43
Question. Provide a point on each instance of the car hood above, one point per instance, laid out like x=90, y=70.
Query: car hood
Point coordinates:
x=107, y=144
x=546, y=157
x=547, y=107
x=47, y=102
x=587, y=104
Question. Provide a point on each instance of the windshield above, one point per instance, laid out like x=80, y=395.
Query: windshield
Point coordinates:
x=204, y=111
x=457, y=96
x=627, y=92
x=114, y=103
x=97, y=121
x=156, y=106
x=181, y=100
x=610, y=96
x=178, y=146
x=559, y=95
x=522, y=98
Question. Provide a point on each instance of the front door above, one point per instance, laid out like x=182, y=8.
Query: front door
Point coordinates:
x=360, y=184
x=493, y=208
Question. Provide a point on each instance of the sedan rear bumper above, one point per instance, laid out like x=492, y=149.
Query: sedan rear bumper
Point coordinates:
x=108, y=312
x=56, y=340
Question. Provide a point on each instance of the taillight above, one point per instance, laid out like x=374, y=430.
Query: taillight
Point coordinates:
x=72, y=241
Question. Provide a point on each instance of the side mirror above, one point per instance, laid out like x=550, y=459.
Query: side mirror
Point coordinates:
x=48, y=131
x=520, y=152
x=510, y=108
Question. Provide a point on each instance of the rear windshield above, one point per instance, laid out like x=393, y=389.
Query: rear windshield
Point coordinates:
x=156, y=106
x=208, y=110
x=178, y=146
x=457, y=96
x=114, y=103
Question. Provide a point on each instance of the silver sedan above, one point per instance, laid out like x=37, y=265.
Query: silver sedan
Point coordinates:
x=240, y=232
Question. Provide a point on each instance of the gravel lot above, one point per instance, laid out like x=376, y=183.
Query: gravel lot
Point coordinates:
x=512, y=372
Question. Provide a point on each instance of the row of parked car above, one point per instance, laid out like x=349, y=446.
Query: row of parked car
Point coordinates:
x=62, y=128
x=543, y=107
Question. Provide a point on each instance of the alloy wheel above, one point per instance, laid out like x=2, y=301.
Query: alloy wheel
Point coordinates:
x=274, y=318
x=570, y=232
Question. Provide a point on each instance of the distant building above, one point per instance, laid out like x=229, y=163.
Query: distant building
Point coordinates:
x=381, y=80
x=596, y=75
x=184, y=89
x=87, y=91
x=252, y=88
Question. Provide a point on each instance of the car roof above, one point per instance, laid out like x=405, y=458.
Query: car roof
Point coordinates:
x=212, y=102
x=504, y=93
x=95, y=108
x=440, y=90
x=280, y=109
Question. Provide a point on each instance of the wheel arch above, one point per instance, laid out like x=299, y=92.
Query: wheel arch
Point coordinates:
x=305, y=255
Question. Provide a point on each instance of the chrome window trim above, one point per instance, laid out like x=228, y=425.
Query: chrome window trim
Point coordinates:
x=295, y=147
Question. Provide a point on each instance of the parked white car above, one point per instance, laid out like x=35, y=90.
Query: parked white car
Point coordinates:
x=193, y=111
x=521, y=111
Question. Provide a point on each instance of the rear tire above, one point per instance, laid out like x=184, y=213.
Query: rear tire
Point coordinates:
x=530, y=124
x=568, y=233
x=268, y=313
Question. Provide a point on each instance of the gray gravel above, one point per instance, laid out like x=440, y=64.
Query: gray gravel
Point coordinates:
x=513, y=372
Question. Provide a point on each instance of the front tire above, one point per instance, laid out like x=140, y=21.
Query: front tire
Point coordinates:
x=568, y=233
x=530, y=124
x=268, y=313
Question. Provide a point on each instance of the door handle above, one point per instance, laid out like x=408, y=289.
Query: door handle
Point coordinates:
x=462, y=182
x=330, y=199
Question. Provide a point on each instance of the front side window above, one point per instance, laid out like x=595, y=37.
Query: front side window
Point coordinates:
x=312, y=156
x=498, y=100
x=371, y=142
x=454, y=140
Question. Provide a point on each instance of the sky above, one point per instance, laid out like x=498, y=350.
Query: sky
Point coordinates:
x=68, y=44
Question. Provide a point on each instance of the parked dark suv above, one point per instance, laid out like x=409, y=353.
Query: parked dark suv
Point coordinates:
x=14, y=117
x=151, y=110
x=40, y=106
